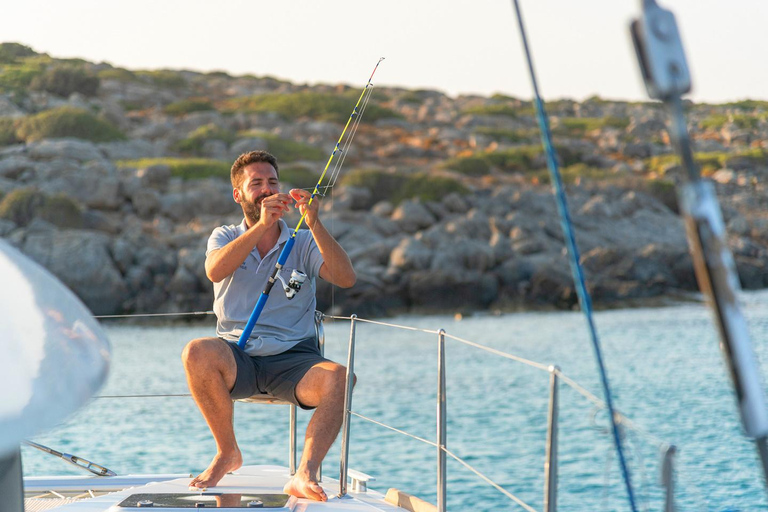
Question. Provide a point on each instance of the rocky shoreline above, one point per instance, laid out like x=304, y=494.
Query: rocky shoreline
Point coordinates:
x=481, y=233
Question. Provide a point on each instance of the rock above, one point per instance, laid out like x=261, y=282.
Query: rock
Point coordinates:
x=99, y=221
x=10, y=109
x=146, y=202
x=95, y=184
x=464, y=291
x=246, y=146
x=133, y=149
x=75, y=149
x=383, y=209
x=459, y=255
x=455, y=203
x=122, y=254
x=637, y=150
x=724, y=176
x=12, y=167
x=410, y=254
x=412, y=216
x=155, y=176
x=738, y=225
x=183, y=282
x=6, y=226
x=349, y=198
x=81, y=260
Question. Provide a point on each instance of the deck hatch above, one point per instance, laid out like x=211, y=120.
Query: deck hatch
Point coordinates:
x=208, y=500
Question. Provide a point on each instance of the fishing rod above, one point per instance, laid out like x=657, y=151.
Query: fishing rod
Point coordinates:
x=80, y=462
x=585, y=300
x=665, y=72
x=292, y=287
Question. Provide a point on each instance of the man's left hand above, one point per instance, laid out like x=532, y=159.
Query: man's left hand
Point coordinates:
x=302, y=198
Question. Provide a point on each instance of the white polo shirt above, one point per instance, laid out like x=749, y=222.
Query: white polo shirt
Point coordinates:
x=283, y=322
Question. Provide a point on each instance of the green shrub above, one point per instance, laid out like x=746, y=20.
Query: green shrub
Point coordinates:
x=412, y=97
x=8, y=131
x=12, y=52
x=322, y=106
x=493, y=110
x=163, y=78
x=25, y=204
x=67, y=122
x=119, y=74
x=519, y=159
x=396, y=187
x=286, y=150
x=469, y=165
x=186, y=168
x=16, y=78
x=580, y=126
x=664, y=191
x=179, y=108
x=506, y=135
x=301, y=177
x=582, y=171
x=748, y=104
x=713, y=122
x=745, y=122
x=425, y=187
x=193, y=144
x=65, y=80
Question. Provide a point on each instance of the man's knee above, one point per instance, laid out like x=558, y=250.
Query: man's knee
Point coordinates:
x=201, y=351
x=338, y=381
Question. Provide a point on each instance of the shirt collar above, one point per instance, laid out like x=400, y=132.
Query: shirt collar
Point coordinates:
x=284, y=231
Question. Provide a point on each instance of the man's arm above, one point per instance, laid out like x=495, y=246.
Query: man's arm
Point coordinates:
x=336, y=268
x=221, y=263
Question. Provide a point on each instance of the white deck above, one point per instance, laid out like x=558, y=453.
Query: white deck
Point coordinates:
x=247, y=480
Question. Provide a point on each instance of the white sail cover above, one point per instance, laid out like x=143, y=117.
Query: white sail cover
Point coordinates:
x=53, y=355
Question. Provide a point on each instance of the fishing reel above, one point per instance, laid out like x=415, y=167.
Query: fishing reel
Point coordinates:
x=293, y=286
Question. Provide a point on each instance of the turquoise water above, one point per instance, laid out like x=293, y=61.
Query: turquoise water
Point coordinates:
x=664, y=366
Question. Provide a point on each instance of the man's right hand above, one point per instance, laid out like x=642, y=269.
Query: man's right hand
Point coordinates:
x=274, y=207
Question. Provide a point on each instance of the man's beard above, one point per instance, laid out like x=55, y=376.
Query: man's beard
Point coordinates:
x=252, y=209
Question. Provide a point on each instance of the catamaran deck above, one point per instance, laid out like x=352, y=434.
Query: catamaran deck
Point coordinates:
x=247, y=481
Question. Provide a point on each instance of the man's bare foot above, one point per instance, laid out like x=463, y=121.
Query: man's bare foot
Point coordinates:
x=302, y=486
x=220, y=466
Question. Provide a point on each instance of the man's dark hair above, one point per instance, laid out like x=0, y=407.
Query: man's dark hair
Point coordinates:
x=238, y=176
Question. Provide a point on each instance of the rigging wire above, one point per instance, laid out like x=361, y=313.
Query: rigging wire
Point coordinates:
x=578, y=274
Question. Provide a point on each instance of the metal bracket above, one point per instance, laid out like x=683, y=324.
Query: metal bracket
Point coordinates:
x=660, y=52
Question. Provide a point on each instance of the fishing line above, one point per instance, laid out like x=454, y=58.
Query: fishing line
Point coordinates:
x=344, y=150
x=297, y=278
x=578, y=274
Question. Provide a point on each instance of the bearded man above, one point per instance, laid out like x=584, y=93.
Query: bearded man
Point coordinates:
x=281, y=357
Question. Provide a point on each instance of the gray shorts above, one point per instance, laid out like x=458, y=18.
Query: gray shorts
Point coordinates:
x=275, y=375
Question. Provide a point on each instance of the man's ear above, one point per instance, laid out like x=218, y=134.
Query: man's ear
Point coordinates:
x=236, y=195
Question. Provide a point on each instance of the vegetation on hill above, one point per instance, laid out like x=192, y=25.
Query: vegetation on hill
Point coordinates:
x=67, y=122
x=397, y=186
x=315, y=105
x=23, y=205
x=185, y=168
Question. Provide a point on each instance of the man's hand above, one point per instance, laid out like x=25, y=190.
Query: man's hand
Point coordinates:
x=302, y=198
x=274, y=207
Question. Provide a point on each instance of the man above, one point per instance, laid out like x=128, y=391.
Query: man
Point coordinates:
x=281, y=357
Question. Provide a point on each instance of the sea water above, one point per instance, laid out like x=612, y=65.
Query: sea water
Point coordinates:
x=664, y=366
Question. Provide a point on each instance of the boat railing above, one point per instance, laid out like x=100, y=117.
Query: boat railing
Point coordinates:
x=440, y=443
x=556, y=377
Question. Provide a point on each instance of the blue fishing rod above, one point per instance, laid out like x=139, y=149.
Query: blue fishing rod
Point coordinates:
x=297, y=278
x=585, y=300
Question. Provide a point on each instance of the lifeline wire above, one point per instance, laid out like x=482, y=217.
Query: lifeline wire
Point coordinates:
x=573, y=251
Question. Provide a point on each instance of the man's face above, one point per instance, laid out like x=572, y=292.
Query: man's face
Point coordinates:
x=260, y=182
